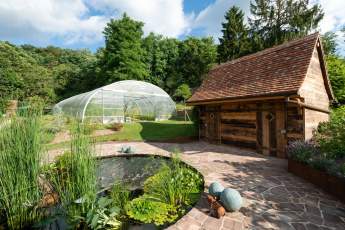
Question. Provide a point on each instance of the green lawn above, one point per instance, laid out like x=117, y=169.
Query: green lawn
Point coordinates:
x=146, y=131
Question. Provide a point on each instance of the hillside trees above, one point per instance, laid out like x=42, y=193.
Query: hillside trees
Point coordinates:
x=21, y=76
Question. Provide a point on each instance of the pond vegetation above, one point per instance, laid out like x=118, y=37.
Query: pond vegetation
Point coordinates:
x=72, y=191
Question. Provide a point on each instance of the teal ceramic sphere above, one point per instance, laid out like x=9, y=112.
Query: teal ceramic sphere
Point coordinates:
x=215, y=189
x=231, y=199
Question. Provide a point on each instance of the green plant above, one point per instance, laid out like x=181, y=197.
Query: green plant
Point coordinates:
x=342, y=169
x=177, y=184
x=301, y=151
x=331, y=135
x=103, y=215
x=148, y=210
x=75, y=177
x=115, y=126
x=120, y=196
x=20, y=152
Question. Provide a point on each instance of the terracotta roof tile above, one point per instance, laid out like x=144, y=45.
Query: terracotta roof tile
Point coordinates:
x=279, y=70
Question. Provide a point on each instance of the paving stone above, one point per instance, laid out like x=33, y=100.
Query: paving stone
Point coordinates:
x=289, y=207
x=212, y=223
x=232, y=224
x=312, y=218
x=333, y=221
x=257, y=222
x=313, y=210
x=299, y=226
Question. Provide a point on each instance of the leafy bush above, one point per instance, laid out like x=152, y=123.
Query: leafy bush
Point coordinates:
x=331, y=135
x=183, y=92
x=115, y=126
x=301, y=151
x=148, y=210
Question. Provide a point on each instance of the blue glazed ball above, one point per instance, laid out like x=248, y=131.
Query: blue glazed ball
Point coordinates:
x=231, y=199
x=215, y=189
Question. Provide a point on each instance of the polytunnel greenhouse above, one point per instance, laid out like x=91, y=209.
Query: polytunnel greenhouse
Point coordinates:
x=120, y=102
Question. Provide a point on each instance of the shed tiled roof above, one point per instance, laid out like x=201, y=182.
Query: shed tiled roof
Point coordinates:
x=279, y=70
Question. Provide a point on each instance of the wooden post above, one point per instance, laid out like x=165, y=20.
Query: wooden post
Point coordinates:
x=280, y=130
x=265, y=134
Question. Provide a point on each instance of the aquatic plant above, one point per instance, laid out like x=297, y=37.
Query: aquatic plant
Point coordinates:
x=177, y=184
x=148, y=210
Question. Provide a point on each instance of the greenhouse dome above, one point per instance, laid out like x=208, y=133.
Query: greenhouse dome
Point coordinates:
x=120, y=102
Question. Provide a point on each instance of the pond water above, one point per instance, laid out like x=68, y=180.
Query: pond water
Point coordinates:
x=132, y=170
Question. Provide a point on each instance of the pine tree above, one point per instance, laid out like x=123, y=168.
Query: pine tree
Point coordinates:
x=276, y=21
x=123, y=57
x=234, y=42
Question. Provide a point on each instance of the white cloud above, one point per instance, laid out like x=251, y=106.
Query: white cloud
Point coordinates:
x=73, y=22
x=334, y=18
x=39, y=21
x=211, y=17
x=165, y=17
x=81, y=22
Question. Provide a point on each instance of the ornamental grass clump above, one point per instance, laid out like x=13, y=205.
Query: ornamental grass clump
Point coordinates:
x=20, y=151
x=75, y=176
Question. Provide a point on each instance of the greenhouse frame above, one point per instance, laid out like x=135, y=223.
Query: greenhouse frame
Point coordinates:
x=119, y=102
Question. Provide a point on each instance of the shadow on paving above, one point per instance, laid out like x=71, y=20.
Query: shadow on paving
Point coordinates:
x=276, y=198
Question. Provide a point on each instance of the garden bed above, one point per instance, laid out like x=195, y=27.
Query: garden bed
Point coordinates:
x=329, y=183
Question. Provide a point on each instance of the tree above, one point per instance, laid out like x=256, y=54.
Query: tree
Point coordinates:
x=277, y=21
x=329, y=43
x=154, y=58
x=336, y=72
x=196, y=57
x=182, y=93
x=161, y=58
x=234, y=42
x=123, y=56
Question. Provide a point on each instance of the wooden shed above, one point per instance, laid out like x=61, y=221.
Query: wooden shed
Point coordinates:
x=267, y=99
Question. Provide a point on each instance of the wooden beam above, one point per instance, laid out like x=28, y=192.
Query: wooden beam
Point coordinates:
x=312, y=107
x=253, y=99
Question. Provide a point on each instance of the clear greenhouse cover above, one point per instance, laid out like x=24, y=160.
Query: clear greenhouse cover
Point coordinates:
x=119, y=102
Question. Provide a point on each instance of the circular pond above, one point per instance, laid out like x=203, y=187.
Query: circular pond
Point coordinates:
x=165, y=186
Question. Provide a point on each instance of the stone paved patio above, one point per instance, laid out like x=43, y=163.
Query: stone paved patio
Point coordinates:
x=274, y=198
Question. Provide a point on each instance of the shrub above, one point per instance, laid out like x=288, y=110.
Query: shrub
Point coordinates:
x=148, y=210
x=331, y=135
x=182, y=92
x=301, y=151
x=115, y=126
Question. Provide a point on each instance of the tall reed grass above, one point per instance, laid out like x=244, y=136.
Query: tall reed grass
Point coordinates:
x=20, y=152
x=75, y=178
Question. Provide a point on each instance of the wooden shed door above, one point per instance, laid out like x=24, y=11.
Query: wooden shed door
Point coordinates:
x=212, y=125
x=268, y=133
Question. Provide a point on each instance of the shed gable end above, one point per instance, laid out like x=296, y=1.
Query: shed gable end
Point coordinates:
x=313, y=89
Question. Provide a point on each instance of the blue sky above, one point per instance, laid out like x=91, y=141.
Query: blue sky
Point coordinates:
x=79, y=23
